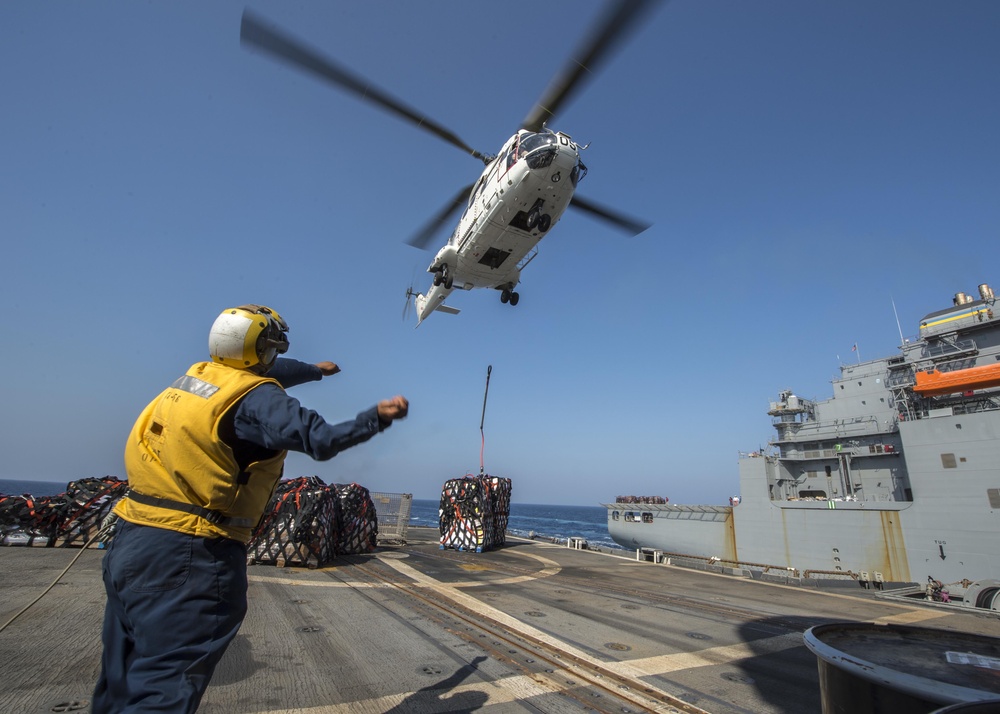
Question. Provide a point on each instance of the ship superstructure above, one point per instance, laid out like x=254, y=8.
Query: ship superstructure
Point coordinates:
x=895, y=478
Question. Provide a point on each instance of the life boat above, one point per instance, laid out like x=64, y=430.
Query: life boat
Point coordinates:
x=933, y=383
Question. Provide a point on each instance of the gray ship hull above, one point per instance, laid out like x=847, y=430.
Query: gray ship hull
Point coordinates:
x=905, y=491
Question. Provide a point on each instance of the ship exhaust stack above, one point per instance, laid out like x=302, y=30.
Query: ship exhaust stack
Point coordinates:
x=986, y=292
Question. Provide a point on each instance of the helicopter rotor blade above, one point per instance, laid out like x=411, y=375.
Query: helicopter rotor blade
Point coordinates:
x=425, y=235
x=584, y=63
x=632, y=226
x=254, y=33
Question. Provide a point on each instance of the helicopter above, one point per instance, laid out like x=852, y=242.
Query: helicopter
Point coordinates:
x=523, y=190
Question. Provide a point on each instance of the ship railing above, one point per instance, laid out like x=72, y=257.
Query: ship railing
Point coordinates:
x=668, y=558
x=945, y=348
x=755, y=454
x=901, y=378
x=827, y=574
x=852, y=451
x=845, y=428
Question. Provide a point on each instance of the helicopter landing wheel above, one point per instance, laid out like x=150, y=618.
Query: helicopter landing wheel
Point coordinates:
x=505, y=296
x=532, y=220
x=448, y=282
x=544, y=222
x=438, y=277
x=514, y=297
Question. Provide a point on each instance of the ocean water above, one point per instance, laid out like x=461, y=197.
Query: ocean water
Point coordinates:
x=558, y=522
x=549, y=521
x=14, y=487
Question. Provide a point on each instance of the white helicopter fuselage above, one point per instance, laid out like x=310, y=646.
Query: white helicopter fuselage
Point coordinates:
x=520, y=196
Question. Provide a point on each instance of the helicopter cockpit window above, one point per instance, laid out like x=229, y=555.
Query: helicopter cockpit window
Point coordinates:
x=538, y=150
x=530, y=142
x=512, y=154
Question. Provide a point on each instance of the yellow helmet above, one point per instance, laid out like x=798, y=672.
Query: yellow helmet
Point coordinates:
x=247, y=337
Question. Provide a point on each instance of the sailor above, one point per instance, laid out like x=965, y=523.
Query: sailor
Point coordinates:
x=202, y=461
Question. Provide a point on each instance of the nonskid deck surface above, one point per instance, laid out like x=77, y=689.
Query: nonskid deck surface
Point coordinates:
x=530, y=627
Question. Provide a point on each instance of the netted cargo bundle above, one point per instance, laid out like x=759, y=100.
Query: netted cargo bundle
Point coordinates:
x=474, y=512
x=300, y=525
x=30, y=520
x=87, y=503
x=358, y=520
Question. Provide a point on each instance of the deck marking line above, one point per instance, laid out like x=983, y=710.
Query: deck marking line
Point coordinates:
x=500, y=691
x=550, y=568
x=622, y=669
x=905, y=618
x=664, y=664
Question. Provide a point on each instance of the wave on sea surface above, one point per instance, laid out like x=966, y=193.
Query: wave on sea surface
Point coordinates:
x=528, y=520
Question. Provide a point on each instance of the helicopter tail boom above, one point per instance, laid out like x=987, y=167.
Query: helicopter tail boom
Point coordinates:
x=433, y=301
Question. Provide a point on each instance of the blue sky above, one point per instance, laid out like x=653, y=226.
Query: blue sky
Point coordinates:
x=805, y=165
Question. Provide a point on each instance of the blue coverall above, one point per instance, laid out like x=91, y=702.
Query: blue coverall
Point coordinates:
x=176, y=601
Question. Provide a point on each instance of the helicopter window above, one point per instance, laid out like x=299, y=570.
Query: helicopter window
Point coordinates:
x=539, y=150
x=512, y=153
x=477, y=190
x=531, y=142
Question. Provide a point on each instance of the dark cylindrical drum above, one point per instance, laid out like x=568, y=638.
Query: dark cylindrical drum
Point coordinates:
x=866, y=668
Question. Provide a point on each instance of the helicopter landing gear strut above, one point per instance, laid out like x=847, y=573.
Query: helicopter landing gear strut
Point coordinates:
x=537, y=219
x=443, y=276
x=509, y=296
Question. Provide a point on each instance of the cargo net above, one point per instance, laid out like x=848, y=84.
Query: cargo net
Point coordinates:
x=474, y=512
x=308, y=523
x=358, y=520
x=72, y=518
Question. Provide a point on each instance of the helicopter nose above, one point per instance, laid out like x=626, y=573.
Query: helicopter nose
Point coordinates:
x=562, y=166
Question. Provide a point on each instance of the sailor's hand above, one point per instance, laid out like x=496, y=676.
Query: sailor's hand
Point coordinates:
x=392, y=409
x=327, y=368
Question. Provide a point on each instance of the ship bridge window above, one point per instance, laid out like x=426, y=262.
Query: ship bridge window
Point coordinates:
x=647, y=517
x=614, y=515
x=631, y=517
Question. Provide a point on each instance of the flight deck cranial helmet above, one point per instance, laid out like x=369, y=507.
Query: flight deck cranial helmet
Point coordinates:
x=248, y=337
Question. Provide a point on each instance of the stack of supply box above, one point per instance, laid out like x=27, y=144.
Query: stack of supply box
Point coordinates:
x=88, y=502
x=71, y=518
x=299, y=526
x=308, y=523
x=358, y=520
x=474, y=512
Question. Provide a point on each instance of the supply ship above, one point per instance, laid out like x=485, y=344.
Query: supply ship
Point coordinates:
x=894, y=479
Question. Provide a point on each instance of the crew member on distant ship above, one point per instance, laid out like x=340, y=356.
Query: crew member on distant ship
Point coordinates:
x=202, y=461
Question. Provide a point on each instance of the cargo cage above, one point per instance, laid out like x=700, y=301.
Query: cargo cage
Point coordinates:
x=393, y=510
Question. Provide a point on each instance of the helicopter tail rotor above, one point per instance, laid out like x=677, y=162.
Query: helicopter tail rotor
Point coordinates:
x=410, y=296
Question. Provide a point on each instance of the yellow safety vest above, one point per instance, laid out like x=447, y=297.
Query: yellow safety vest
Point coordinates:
x=176, y=458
